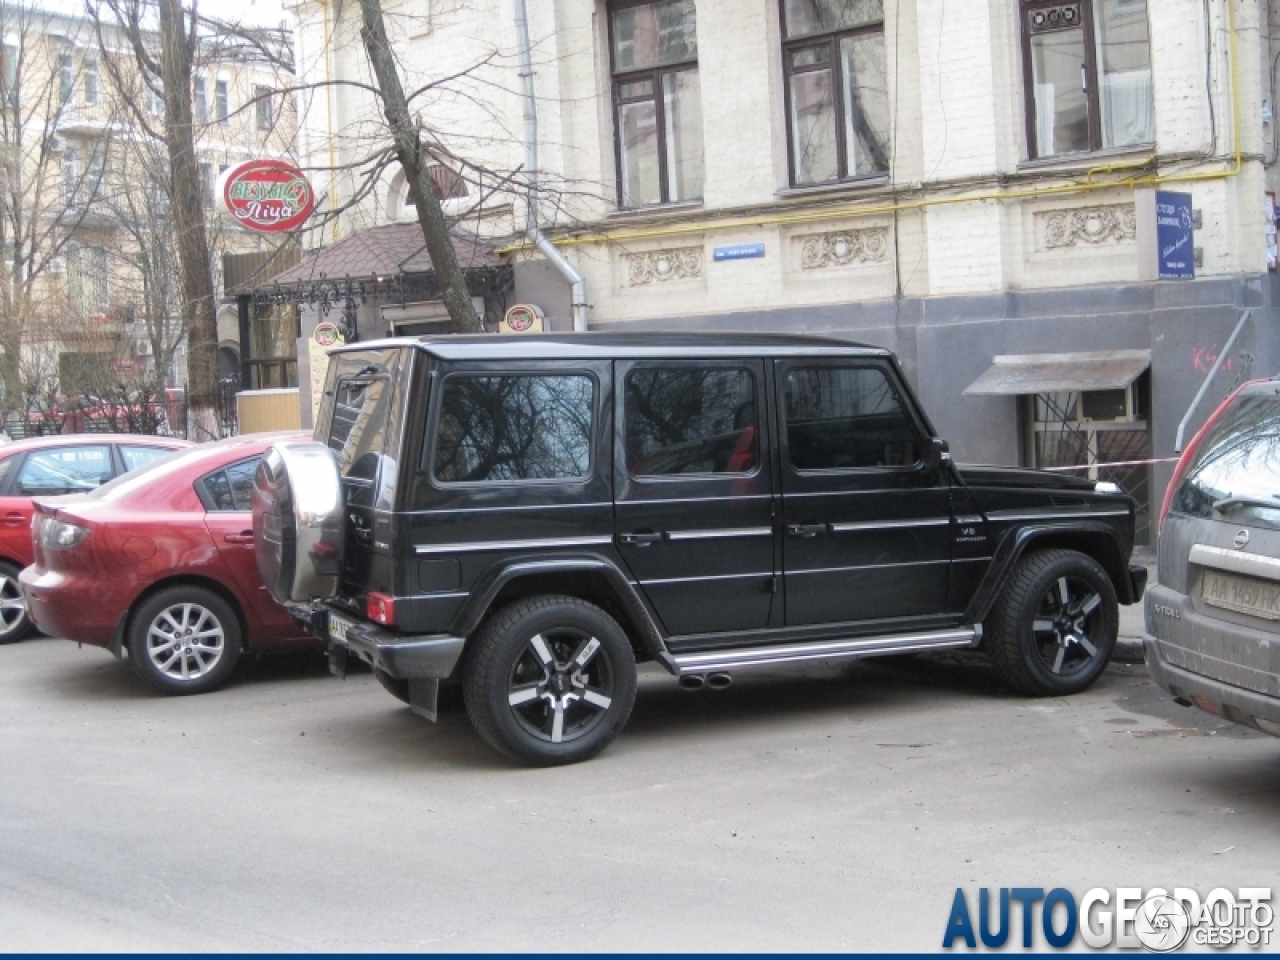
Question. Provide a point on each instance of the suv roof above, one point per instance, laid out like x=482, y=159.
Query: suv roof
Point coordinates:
x=596, y=346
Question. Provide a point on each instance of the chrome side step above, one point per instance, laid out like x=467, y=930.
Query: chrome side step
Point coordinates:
x=735, y=659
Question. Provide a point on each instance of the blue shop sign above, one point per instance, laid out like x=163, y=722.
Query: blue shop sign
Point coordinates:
x=742, y=251
x=1175, y=236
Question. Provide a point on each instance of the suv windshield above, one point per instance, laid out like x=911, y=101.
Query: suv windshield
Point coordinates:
x=1238, y=461
x=359, y=420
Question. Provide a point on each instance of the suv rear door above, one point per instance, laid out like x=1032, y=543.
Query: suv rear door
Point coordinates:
x=361, y=421
x=693, y=491
x=866, y=525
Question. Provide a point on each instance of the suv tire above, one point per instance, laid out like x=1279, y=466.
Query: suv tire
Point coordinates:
x=162, y=632
x=551, y=680
x=1053, y=630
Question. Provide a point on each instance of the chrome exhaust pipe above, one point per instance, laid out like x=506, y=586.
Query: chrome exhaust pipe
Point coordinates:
x=692, y=681
x=719, y=681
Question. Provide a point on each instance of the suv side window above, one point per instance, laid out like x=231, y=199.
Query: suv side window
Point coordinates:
x=844, y=418
x=690, y=421
x=496, y=429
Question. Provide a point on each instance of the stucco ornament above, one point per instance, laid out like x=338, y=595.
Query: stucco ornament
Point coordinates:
x=1092, y=226
x=664, y=266
x=840, y=248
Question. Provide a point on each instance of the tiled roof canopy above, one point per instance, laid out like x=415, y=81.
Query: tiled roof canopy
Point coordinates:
x=383, y=252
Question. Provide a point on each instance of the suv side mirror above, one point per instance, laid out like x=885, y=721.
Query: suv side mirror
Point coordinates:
x=939, y=453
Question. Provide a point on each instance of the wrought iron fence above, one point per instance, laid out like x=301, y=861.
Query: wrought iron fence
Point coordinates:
x=137, y=412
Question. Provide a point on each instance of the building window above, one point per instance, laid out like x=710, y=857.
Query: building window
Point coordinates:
x=1087, y=68
x=66, y=75
x=71, y=175
x=94, y=175
x=1106, y=434
x=221, y=101
x=263, y=106
x=657, y=102
x=90, y=83
x=271, y=359
x=200, y=100
x=204, y=176
x=837, y=89
x=98, y=286
x=155, y=103
x=11, y=57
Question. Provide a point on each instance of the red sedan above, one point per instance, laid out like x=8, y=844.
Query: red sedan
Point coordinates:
x=161, y=562
x=46, y=466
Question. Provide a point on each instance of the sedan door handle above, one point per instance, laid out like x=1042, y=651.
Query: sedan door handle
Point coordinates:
x=806, y=529
x=641, y=539
x=13, y=519
x=244, y=536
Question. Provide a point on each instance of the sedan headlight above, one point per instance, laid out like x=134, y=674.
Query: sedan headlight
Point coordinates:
x=60, y=535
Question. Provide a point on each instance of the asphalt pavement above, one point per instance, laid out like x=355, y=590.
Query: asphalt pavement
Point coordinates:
x=830, y=808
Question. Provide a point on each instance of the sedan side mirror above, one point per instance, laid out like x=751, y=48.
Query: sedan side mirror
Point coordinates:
x=939, y=453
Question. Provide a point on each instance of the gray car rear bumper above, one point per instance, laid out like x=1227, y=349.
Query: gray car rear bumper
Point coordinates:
x=1240, y=706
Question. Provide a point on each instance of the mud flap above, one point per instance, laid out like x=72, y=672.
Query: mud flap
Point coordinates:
x=424, y=695
x=338, y=661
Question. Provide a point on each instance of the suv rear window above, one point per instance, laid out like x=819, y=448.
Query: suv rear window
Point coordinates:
x=1239, y=456
x=685, y=421
x=497, y=429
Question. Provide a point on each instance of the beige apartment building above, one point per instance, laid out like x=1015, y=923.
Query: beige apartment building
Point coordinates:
x=93, y=295
x=968, y=182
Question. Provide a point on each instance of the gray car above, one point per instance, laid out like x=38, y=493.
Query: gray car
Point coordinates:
x=1214, y=617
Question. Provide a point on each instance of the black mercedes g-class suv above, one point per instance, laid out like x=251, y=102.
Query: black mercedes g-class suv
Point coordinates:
x=532, y=516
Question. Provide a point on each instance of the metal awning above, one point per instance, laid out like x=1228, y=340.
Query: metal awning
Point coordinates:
x=1026, y=373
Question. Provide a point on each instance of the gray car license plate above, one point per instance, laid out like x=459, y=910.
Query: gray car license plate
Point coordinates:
x=1258, y=598
x=338, y=627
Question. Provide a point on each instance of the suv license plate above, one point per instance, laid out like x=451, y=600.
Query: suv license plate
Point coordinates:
x=338, y=627
x=1258, y=598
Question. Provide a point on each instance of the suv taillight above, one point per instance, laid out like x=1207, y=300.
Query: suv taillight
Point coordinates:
x=380, y=608
x=1185, y=460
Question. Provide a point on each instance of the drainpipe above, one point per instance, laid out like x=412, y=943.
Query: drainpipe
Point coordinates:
x=1204, y=387
x=577, y=285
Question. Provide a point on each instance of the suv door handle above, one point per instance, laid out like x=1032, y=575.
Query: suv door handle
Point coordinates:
x=244, y=536
x=806, y=529
x=643, y=538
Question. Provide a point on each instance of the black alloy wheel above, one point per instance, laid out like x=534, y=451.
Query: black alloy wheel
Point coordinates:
x=1068, y=626
x=1054, y=627
x=550, y=680
x=561, y=685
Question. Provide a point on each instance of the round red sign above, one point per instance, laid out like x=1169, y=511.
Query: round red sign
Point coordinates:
x=270, y=196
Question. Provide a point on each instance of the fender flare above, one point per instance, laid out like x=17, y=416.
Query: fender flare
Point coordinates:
x=478, y=605
x=1014, y=543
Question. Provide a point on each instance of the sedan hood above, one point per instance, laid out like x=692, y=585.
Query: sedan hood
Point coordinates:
x=1022, y=477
